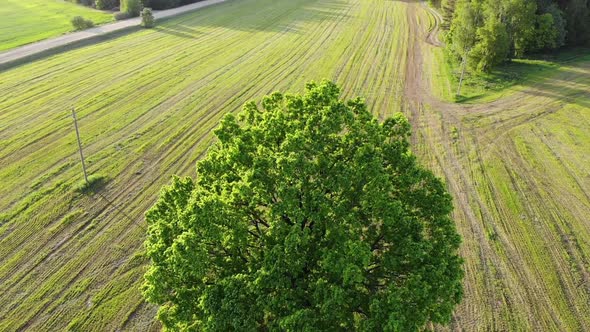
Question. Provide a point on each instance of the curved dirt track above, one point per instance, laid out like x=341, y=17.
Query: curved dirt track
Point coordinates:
x=525, y=235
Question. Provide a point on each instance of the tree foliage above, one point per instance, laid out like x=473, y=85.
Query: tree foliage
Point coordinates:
x=306, y=215
x=463, y=35
x=547, y=35
x=577, y=14
x=81, y=23
x=161, y=4
x=492, y=48
x=525, y=25
x=106, y=4
x=165, y=4
x=147, y=18
x=447, y=8
x=559, y=23
x=131, y=7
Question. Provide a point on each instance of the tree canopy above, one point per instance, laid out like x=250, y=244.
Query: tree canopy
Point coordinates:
x=308, y=214
x=498, y=30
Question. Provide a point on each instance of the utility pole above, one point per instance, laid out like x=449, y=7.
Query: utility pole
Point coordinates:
x=79, y=145
x=462, y=74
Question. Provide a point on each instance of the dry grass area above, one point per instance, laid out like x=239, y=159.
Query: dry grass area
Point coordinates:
x=147, y=102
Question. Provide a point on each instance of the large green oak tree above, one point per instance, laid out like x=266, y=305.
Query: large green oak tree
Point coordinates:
x=308, y=214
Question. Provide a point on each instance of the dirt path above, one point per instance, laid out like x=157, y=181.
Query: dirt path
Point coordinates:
x=31, y=50
x=502, y=285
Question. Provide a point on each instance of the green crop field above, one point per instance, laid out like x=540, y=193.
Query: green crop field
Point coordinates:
x=24, y=22
x=147, y=102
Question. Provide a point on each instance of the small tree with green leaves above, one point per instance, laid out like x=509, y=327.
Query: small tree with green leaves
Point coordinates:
x=106, y=4
x=306, y=215
x=463, y=34
x=147, y=18
x=492, y=48
x=131, y=7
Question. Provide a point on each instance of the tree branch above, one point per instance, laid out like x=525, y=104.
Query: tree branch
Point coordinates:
x=375, y=244
x=287, y=220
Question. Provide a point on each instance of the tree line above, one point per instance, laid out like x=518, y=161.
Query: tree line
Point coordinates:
x=114, y=4
x=484, y=33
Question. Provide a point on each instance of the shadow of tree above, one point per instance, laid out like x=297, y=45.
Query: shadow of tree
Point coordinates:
x=179, y=30
x=569, y=83
x=94, y=185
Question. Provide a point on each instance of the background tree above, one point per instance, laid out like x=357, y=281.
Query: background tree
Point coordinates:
x=578, y=21
x=447, y=8
x=106, y=4
x=518, y=17
x=161, y=4
x=463, y=35
x=492, y=47
x=559, y=24
x=525, y=26
x=546, y=36
x=306, y=215
x=131, y=7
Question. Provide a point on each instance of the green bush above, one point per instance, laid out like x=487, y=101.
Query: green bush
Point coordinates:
x=121, y=16
x=166, y=4
x=80, y=23
x=162, y=4
x=84, y=2
x=147, y=18
x=131, y=7
x=95, y=183
x=106, y=4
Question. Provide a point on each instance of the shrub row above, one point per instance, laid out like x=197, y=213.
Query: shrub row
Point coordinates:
x=114, y=4
x=131, y=7
x=166, y=4
x=128, y=9
x=106, y=4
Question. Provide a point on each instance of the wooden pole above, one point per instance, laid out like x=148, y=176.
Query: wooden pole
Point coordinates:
x=462, y=74
x=80, y=145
